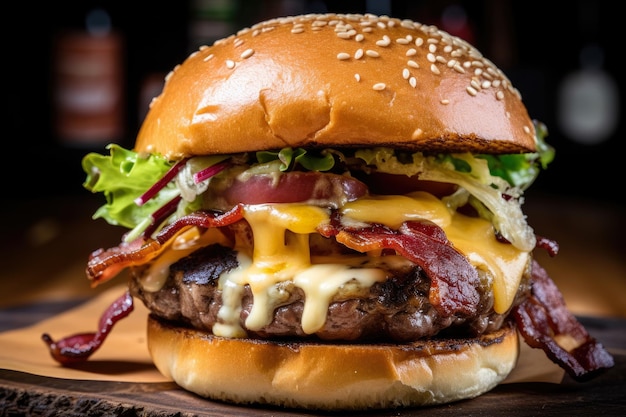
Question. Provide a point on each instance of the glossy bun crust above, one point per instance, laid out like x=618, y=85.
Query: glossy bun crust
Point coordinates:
x=332, y=376
x=335, y=81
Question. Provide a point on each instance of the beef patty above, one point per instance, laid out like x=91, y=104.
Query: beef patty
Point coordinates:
x=396, y=309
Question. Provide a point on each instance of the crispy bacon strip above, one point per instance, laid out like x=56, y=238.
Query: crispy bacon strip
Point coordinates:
x=543, y=318
x=79, y=347
x=453, y=279
x=202, y=219
x=105, y=264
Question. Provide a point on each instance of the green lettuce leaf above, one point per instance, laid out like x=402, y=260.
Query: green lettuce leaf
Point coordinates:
x=290, y=157
x=122, y=176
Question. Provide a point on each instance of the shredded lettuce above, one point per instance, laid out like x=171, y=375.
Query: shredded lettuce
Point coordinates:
x=124, y=175
x=290, y=158
x=485, y=177
x=521, y=170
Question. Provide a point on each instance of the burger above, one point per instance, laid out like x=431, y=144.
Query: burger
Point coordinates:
x=324, y=212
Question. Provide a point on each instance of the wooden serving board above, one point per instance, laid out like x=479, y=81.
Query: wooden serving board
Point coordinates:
x=26, y=394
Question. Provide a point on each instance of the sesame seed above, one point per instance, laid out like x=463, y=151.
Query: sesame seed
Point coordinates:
x=471, y=91
x=526, y=129
x=434, y=69
x=431, y=58
x=379, y=86
x=432, y=48
x=357, y=77
x=358, y=54
x=417, y=133
x=342, y=56
x=385, y=41
x=297, y=30
x=247, y=53
x=402, y=41
x=230, y=64
x=458, y=68
x=419, y=41
x=413, y=82
x=406, y=74
x=359, y=37
x=500, y=95
x=412, y=64
x=411, y=52
x=445, y=101
x=238, y=42
x=371, y=53
x=485, y=84
x=208, y=57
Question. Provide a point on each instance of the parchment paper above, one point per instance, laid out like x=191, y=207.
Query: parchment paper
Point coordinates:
x=124, y=355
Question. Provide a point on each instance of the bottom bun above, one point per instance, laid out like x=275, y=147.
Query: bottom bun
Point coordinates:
x=327, y=376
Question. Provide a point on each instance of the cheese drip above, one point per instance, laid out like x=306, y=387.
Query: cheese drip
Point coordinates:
x=281, y=254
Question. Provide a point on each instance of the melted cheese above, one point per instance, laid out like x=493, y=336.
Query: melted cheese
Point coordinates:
x=393, y=210
x=281, y=253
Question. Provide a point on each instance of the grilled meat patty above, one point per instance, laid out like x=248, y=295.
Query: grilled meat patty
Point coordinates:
x=397, y=309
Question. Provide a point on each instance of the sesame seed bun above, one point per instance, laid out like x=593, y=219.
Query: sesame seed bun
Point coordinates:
x=332, y=376
x=337, y=80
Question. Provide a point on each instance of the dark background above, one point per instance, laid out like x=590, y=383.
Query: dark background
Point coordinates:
x=537, y=46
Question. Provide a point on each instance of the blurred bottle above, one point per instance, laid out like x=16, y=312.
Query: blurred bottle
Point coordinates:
x=88, y=71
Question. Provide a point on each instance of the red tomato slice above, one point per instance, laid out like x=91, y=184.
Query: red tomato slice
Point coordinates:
x=292, y=187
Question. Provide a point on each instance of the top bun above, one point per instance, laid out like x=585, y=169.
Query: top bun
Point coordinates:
x=333, y=80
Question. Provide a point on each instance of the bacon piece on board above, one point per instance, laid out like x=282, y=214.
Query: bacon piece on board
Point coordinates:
x=543, y=319
x=78, y=347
